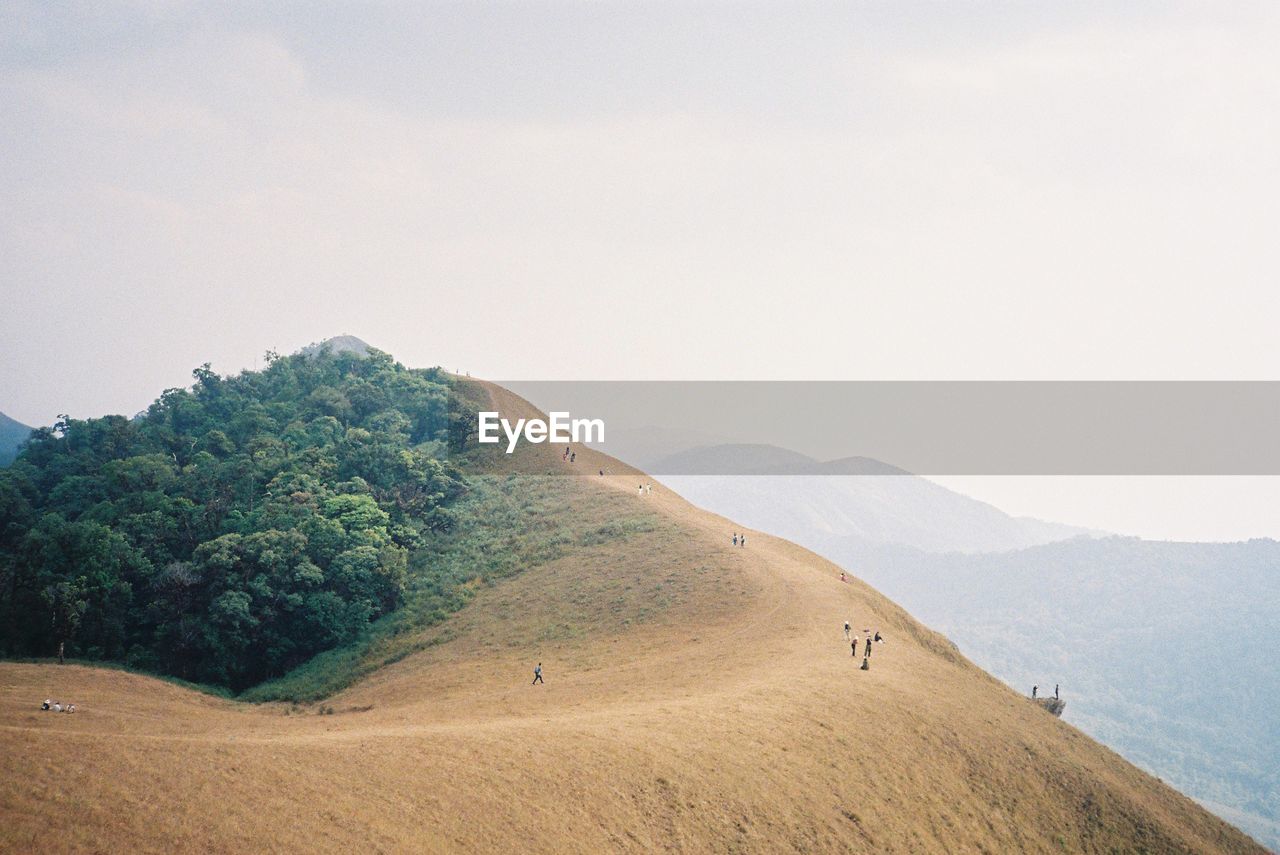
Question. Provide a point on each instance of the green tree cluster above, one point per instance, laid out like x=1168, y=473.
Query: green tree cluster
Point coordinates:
x=234, y=529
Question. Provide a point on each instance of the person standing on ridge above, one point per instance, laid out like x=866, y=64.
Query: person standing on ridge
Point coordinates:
x=1055, y=691
x=1034, y=689
x=537, y=675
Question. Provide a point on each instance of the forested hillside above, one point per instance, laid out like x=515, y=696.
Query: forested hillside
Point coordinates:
x=236, y=528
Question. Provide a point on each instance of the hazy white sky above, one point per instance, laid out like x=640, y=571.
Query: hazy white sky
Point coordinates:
x=616, y=190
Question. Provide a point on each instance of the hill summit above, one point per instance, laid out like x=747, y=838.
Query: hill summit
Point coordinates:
x=338, y=344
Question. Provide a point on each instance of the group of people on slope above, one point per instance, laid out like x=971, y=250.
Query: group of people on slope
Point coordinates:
x=55, y=706
x=855, y=639
x=739, y=539
x=571, y=456
x=1035, y=690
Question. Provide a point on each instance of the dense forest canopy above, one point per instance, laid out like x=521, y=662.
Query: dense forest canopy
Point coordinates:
x=236, y=528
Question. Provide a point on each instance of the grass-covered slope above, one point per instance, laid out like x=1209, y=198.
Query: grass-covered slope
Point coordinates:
x=505, y=525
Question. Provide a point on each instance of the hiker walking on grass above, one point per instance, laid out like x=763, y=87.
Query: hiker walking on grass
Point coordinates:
x=537, y=675
x=868, y=653
x=853, y=645
x=846, y=630
x=735, y=538
x=743, y=541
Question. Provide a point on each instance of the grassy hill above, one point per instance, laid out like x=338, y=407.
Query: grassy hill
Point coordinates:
x=698, y=696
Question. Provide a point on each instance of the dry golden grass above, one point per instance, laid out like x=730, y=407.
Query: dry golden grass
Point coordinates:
x=698, y=697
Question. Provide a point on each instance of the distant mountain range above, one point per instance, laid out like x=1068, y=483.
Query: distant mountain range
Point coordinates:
x=845, y=503
x=12, y=434
x=759, y=459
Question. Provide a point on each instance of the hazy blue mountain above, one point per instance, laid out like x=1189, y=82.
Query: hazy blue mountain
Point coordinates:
x=731, y=459
x=12, y=435
x=1165, y=651
x=860, y=501
x=644, y=446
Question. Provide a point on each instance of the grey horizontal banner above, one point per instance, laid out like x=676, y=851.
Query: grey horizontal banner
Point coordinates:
x=928, y=427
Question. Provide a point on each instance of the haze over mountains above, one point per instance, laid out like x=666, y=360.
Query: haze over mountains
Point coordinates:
x=844, y=503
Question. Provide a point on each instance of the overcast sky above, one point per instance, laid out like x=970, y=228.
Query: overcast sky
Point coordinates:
x=608, y=190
